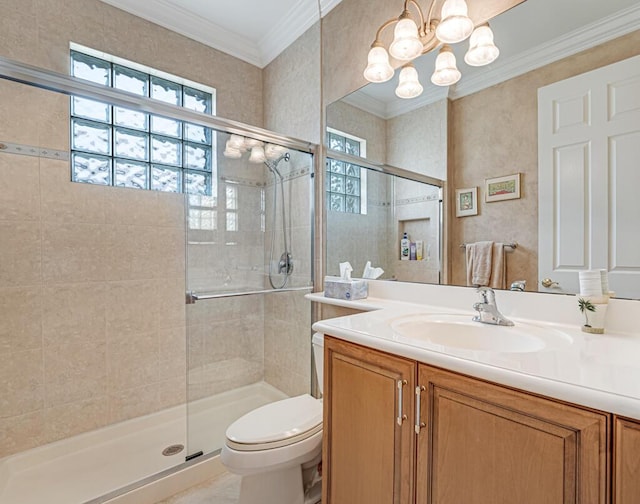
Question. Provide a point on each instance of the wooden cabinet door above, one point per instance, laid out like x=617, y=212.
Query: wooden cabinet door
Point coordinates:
x=486, y=444
x=368, y=457
x=627, y=462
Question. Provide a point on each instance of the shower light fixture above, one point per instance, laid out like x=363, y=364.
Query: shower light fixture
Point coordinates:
x=237, y=145
x=412, y=39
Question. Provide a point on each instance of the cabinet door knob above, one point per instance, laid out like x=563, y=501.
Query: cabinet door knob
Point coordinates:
x=547, y=283
x=401, y=417
x=418, y=425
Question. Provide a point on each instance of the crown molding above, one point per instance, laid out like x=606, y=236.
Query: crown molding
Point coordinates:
x=367, y=103
x=188, y=24
x=429, y=96
x=594, y=34
x=327, y=5
x=296, y=22
x=299, y=19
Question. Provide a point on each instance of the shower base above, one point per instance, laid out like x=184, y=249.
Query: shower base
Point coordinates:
x=81, y=468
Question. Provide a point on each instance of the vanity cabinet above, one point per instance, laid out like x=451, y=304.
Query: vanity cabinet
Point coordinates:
x=484, y=443
x=626, y=461
x=368, y=442
x=463, y=440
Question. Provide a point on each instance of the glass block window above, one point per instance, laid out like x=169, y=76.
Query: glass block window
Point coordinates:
x=346, y=182
x=116, y=146
x=231, y=195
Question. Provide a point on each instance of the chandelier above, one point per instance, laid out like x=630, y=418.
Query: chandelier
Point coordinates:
x=412, y=39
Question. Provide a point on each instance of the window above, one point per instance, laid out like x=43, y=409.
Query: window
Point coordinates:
x=346, y=182
x=120, y=147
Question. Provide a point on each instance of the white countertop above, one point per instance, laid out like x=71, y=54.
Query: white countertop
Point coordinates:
x=600, y=371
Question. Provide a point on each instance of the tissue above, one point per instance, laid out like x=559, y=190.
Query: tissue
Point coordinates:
x=344, y=287
x=345, y=271
x=371, y=273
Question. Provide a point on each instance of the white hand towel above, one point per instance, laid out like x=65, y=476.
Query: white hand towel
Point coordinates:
x=479, y=259
x=498, y=267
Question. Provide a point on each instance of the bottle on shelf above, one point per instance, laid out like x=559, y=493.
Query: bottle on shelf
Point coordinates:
x=404, y=247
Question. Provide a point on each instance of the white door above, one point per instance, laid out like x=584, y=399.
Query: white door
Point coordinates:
x=589, y=178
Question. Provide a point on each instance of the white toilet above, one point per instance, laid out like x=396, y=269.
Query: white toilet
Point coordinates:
x=276, y=448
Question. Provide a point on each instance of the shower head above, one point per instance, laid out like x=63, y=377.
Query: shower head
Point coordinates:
x=272, y=164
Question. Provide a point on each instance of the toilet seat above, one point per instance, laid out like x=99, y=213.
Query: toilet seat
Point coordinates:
x=277, y=424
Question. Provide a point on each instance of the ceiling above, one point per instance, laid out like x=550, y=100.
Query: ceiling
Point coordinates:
x=530, y=35
x=255, y=31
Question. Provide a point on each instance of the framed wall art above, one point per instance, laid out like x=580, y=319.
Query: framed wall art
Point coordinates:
x=502, y=188
x=466, y=202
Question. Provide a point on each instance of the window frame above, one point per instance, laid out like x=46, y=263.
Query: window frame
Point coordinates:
x=184, y=176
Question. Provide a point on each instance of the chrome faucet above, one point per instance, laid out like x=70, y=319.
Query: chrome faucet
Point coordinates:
x=487, y=309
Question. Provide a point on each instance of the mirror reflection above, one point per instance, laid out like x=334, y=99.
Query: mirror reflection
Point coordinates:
x=477, y=134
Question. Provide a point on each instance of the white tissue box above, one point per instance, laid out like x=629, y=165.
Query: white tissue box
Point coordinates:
x=337, y=288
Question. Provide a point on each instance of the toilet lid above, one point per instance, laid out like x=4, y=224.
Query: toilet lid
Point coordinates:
x=276, y=424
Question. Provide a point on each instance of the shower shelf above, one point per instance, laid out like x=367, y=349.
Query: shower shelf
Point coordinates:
x=192, y=297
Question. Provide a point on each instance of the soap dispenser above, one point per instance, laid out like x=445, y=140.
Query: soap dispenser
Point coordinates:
x=404, y=247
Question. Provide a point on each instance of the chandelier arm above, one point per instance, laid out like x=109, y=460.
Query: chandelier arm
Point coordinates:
x=381, y=29
x=422, y=20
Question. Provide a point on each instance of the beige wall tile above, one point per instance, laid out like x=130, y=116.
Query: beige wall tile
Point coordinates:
x=132, y=307
x=171, y=302
x=64, y=201
x=172, y=350
x=144, y=252
x=21, y=375
x=132, y=360
x=20, y=319
x=74, y=372
x=19, y=433
x=54, y=122
x=74, y=313
x=73, y=252
x=19, y=111
x=133, y=402
x=20, y=256
x=172, y=392
x=75, y=418
x=20, y=183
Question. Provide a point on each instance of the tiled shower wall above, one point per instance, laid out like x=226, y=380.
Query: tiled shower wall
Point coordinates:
x=92, y=278
x=91, y=303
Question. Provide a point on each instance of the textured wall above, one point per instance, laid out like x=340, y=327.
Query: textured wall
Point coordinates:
x=292, y=89
x=92, y=318
x=494, y=133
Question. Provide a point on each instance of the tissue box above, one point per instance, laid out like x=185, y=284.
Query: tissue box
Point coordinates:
x=336, y=287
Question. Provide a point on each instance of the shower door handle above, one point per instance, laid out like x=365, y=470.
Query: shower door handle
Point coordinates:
x=401, y=417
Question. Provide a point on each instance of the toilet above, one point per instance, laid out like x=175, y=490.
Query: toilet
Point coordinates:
x=277, y=448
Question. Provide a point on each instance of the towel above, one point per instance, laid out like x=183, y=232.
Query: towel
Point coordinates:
x=498, y=267
x=479, y=263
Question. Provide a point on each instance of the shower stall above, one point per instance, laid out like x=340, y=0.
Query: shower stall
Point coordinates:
x=136, y=325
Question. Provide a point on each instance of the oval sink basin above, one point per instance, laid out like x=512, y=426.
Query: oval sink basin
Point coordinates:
x=460, y=332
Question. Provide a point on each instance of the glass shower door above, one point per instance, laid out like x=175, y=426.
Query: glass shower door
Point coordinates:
x=248, y=268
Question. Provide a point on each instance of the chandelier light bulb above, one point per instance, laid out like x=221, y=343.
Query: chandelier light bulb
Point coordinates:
x=446, y=72
x=378, y=68
x=257, y=154
x=236, y=142
x=409, y=85
x=455, y=25
x=230, y=152
x=482, y=50
x=406, y=44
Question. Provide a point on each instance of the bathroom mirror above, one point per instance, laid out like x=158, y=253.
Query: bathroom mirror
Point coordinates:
x=485, y=126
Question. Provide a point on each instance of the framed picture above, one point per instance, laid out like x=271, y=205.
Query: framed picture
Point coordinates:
x=466, y=202
x=502, y=188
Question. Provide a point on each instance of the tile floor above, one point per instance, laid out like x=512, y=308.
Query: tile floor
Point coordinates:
x=223, y=489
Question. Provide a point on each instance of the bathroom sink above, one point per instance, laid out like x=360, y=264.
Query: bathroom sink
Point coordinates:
x=460, y=332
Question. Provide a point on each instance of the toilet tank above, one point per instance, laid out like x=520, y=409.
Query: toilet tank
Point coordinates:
x=318, y=355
